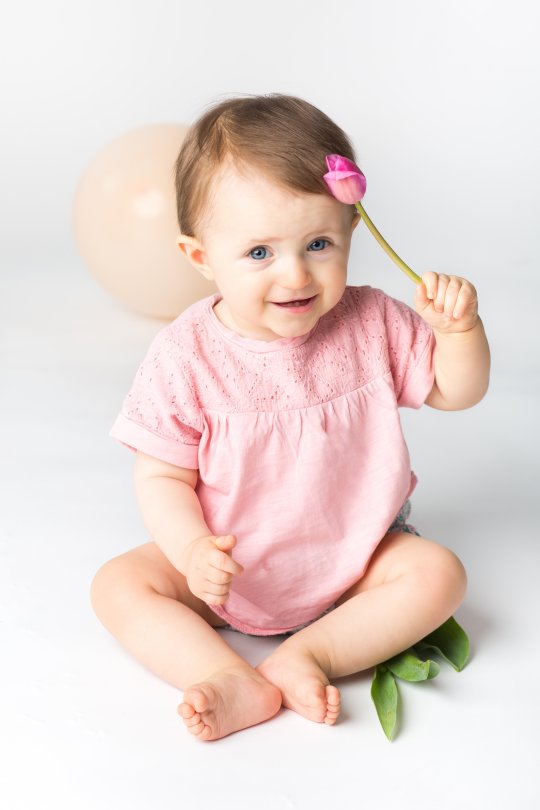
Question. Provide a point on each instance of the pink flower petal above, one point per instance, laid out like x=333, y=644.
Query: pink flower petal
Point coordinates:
x=344, y=179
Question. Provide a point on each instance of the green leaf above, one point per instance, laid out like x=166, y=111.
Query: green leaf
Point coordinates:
x=450, y=641
x=409, y=667
x=384, y=693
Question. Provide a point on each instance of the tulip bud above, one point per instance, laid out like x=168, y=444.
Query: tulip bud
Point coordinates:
x=344, y=179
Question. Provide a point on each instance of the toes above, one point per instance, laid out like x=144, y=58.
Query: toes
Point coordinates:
x=333, y=705
x=200, y=730
x=331, y=717
x=186, y=711
x=198, y=699
x=194, y=722
x=333, y=698
x=196, y=703
x=319, y=702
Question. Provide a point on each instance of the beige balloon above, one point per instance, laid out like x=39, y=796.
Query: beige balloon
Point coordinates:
x=125, y=224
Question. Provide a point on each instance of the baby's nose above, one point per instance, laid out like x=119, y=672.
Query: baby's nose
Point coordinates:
x=294, y=273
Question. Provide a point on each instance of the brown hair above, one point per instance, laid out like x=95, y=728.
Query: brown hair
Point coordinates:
x=283, y=136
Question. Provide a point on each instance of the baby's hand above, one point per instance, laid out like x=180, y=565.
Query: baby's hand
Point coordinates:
x=210, y=567
x=447, y=303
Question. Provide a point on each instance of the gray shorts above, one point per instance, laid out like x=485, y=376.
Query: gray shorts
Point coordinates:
x=399, y=524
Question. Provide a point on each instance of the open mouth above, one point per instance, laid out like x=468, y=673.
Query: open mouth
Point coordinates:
x=300, y=305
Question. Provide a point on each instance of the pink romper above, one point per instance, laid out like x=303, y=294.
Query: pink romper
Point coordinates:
x=298, y=443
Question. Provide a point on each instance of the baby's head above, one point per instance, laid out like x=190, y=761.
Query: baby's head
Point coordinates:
x=281, y=137
x=257, y=218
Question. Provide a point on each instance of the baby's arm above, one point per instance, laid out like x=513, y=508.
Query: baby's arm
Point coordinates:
x=461, y=357
x=173, y=515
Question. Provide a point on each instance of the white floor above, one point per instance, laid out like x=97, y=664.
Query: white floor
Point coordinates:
x=83, y=726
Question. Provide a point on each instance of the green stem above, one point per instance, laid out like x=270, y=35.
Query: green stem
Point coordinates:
x=384, y=244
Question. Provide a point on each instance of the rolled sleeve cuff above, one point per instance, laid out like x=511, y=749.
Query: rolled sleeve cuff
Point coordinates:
x=136, y=437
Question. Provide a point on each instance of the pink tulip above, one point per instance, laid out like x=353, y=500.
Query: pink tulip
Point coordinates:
x=348, y=185
x=344, y=179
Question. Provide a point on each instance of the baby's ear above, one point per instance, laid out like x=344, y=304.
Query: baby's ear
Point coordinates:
x=194, y=251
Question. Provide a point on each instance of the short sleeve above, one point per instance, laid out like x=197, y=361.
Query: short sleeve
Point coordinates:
x=410, y=353
x=159, y=415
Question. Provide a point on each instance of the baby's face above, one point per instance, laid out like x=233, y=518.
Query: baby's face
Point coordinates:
x=265, y=246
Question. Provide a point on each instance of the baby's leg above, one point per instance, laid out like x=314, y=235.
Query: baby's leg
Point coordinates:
x=147, y=605
x=410, y=588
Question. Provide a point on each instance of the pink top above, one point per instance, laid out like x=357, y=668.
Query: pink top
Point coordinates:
x=298, y=443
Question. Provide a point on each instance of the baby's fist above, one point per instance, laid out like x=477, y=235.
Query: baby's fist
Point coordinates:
x=447, y=303
x=210, y=568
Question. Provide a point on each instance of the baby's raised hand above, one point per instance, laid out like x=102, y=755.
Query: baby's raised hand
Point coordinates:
x=447, y=303
x=210, y=567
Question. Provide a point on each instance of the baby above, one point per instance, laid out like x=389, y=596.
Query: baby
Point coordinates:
x=271, y=470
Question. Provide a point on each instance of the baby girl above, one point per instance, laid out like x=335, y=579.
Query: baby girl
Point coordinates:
x=271, y=470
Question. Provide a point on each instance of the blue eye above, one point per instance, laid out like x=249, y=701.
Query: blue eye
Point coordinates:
x=318, y=244
x=258, y=253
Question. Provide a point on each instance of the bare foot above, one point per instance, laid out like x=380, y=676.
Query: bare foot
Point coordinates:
x=228, y=701
x=303, y=684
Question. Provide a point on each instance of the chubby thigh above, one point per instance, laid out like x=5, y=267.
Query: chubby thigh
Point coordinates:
x=402, y=554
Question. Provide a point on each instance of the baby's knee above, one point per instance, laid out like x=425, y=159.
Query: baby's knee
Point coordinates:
x=101, y=587
x=446, y=578
x=110, y=585
x=133, y=576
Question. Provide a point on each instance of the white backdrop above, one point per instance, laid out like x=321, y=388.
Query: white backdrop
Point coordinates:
x=441, y=101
